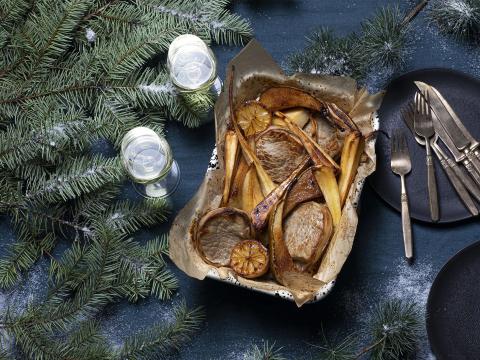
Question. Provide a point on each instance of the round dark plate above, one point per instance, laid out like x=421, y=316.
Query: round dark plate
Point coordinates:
x=453, y=308
x=463, y=93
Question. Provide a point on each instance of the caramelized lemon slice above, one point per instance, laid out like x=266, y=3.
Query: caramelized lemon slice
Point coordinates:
x=249, y=259
x=253, y=117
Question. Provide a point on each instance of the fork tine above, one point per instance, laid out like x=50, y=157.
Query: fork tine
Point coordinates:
x=426, y=96
x=417, y=104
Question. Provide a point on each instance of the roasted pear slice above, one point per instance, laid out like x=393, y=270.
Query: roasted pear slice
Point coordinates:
x=351, y=156
x=280, y=152
x=231, y=145
x=261, y=211
x=219, y=231
x=307, y=231
x=249, y=259
x=304, y=189
x=253, y=117
x=284, y=97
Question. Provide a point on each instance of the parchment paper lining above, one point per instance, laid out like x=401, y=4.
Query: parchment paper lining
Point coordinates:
x=256, y=71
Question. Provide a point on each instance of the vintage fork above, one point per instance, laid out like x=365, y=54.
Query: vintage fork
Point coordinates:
x=401, y=165
x=460, y=181
x=423, y=126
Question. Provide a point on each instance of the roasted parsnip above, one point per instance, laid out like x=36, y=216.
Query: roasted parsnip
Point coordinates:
x=350, y=159
x=231, y=145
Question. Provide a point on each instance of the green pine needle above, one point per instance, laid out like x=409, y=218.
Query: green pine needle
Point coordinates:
x=73, y=72
x=383, y=42
x=326, y=54
x=395, y=329
x=460, y=18
x=163, y=338
x=265, y=352
x=340, y=350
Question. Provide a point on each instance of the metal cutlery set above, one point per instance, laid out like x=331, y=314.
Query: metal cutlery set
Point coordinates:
x=433, y=122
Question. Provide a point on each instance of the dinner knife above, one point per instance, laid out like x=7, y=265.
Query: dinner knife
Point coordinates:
x=460, y=181
x=453, y=137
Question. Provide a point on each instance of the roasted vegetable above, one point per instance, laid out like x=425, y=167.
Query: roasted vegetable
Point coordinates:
x=280, y=259
x=219, y=231
x=327, y=182
x=265, y=182
x=235, y=199
x=299, y=116
x=253, y=117
x=261, y=211
x=283, y=97
x=351, y=155
x=249, y=259
x=251, y=191
x=231, y=145
x=318, y=155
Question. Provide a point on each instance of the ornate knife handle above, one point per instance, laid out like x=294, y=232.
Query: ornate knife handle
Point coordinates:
x=459, y=187
x=471, y=185
x=472, y=170
x=473, y=159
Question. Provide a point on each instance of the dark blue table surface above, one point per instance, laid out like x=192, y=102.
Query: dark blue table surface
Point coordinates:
x=375, y=271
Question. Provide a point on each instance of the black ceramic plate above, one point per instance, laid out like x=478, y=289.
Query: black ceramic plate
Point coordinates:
x=463, y=94
x=453, y=308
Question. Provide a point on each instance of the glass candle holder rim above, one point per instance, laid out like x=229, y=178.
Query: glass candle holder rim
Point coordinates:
x=140, y=131
x=192, y=41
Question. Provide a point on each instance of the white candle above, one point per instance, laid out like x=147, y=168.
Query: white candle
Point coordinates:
x=191, y=63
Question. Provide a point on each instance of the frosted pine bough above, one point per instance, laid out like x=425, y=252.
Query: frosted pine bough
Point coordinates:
x=460, y=18
x=74, y=72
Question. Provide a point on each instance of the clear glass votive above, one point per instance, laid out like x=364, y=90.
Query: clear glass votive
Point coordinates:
x=148, y=160
x=192, y=65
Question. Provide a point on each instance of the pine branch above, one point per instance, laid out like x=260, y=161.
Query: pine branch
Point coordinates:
x=128, y=217
x=21, y=257
x=266, y=352
x=76, y=178
x=383, y=41
x=162, y=339
x=202, y=17
x=460, y=18
x=327, y=54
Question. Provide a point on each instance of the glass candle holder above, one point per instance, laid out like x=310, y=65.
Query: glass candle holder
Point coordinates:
x=192, y=65
x=148, y=160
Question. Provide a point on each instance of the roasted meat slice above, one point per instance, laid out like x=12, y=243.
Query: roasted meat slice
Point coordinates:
x=219, y=231
x=305, y=189
x=279, y=152
x=329, y=137
x=307, y=231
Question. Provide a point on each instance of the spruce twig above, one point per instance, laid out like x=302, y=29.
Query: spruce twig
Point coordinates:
x=459, y=18
x=73, y=72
